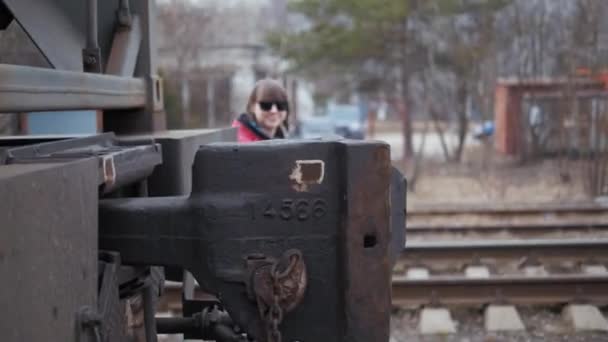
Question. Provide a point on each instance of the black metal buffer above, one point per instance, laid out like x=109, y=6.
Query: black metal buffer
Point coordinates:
x=292, y=237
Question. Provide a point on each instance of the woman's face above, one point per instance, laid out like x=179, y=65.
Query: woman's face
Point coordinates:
x=270, y=114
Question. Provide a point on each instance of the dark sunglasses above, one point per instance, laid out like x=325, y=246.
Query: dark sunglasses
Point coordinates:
x=281, y=106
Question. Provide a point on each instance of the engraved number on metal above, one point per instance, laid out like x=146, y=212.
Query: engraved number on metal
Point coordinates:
x=288, y=209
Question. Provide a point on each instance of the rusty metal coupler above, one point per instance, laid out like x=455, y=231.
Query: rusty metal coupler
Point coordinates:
x=277, y=286
x=293, y=237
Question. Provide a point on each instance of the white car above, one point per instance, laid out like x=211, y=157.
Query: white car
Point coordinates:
x=315, y=127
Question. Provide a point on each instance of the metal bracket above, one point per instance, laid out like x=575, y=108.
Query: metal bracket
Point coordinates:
x=126, y=44
x=91, y=60
x=125, y=19
x=91, y=55
x=119, y=165
x=89, y=321
x=155, y=90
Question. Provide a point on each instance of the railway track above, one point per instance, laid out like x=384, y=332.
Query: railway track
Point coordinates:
x=507, y=279
x=519, y=209
x=537, y=230
x=558, y=272
x=538, y=290
x=518, y=263
x=546, y=251
x=465, y=222
x=542, y=256
x=447, y=216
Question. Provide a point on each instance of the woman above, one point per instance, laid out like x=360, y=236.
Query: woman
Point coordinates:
x=266, y=115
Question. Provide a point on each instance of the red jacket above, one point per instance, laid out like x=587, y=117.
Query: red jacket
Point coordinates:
x=244, y=133
x=248, y=131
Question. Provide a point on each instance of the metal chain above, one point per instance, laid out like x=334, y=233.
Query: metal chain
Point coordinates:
x=275, y=314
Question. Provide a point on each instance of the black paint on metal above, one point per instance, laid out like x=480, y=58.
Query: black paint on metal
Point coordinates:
x=211, y=323
x=91, y=54
x=6, y=17
x=124, y=14
x=245, y=201
x=150, y=296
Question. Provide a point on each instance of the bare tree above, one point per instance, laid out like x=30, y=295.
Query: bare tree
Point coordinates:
x=183, y=27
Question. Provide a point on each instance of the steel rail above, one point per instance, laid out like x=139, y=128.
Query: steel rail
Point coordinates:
x=25, y=89
x=511, y=289
x=523, y=228
x=429, y=252
x=511, y=209
x=528, y=230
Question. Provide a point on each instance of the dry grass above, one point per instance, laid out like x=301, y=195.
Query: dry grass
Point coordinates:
x=483, y=176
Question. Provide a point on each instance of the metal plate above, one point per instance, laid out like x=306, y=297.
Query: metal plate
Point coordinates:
x=174, y=176
x=24, y=89
x=48, y=249
x=119, y=165
x=56, y=27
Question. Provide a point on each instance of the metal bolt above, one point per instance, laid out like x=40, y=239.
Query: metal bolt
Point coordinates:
x=90, y=60
x=88, y=317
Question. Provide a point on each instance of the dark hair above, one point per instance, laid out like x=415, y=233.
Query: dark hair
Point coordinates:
x=267, y=90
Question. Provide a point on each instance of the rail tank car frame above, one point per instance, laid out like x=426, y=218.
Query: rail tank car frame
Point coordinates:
x=271, y=241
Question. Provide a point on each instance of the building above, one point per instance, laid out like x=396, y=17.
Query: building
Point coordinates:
x=220, y=53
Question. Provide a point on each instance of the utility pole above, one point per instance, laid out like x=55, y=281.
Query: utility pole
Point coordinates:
x=210, y=102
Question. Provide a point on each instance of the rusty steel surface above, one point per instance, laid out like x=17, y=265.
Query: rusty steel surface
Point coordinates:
x=447, y=290
x=314, y=198
x=291, y=281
